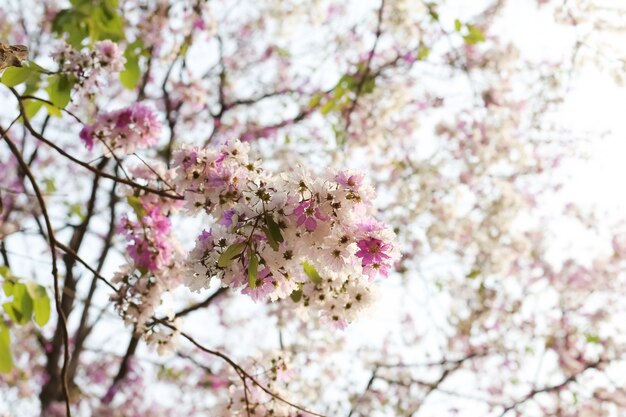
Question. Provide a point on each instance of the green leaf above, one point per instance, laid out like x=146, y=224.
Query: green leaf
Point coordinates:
x=137, y=206
x=473, y=274
x=59, y=90
x=312, y=273
x=253, y=269
x=32, y=86
x=274, y=228
x=432, y=11
x=5, y=272
x=270, y=239
x=474, y=35
x=233, y=251
x=31, y=107
x=38, y=68
x=315, y=100
x=41, y=302
x=132, y=73
x=328, y=107
x=50, y=185
x=14, y=315
x=422, y=52
x=52, y=109
x=42, y=310
x=592, y=338
x=73, y=22
x=107, y=24
x=296, y=295
x=6, y=359
x=96, y=20
x=23, y=303
x=15, y=75
x=7, y=287
x=75, y=209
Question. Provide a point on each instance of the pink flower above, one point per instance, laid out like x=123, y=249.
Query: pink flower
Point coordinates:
x=374, y=258
x=349, y=180
x=264, y=285
x=134, y=127
x=148, y=240
x=86, y=135
x=307, y=212
x=227, y=218
x=110, y=56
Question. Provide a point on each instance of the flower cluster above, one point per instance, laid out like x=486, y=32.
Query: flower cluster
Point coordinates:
x=148, y=245
x=90, y=67
x=274, y=373
x=154, y=266
x=127, y=129
x=287, y=235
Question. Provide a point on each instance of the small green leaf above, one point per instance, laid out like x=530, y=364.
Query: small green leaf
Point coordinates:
x=75, y=209
x=474, y=35
x=328, y=107
x=137, y=206
x=41, y=308
x=233, y=251
x=253, y=269
x=132, y=73
x=296, y=295
x=14, y=315
x=270, y=239
x=41, y=302
x=75, y=23
x=368, y=85
x=23, y=303
x=315, y=100
x=50, y=185
x=6, y=359
x=592, y=338
x=273, y=230
x=422, y=52
x=31, y=107
x=432, y=11
x=7, y=287
x=35, y=290
x=15, y=75
x=59, y=90
x=52, y=109
x=473, y=274
x=107, y=24
x=38, y=68
x=5, y=271
x=312, y=273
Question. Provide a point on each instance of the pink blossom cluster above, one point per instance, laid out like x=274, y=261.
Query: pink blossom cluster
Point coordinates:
x=90, y=67
x=154, y=266
x=148, y=243
x=126, y=130
x=284, y=235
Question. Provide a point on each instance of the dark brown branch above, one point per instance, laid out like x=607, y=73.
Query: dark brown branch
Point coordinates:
x=202, y=304
x=55, y=275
